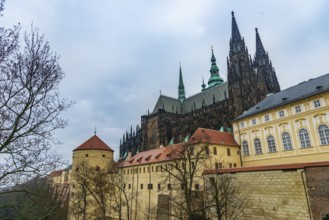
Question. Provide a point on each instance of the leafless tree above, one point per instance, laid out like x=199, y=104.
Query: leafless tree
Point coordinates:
x=80, y=198
x=224, y=196
x=184, y=174
x=30, y=106
x=121, y=197
x=36, y=199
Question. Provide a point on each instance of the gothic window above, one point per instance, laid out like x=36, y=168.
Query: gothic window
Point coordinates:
x=271, y=144
x=298, y=109
x=245, y=148
x=286, y=141
x=258, y=146
x=324, y=134
x=317, y=103
x=304, y=138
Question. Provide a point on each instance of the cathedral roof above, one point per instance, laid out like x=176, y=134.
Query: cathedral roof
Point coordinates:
x=196, y=101
x=201, y=135
x=93, y=143
x=302, y=90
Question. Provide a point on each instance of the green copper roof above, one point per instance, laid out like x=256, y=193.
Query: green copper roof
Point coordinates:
x=214, y=79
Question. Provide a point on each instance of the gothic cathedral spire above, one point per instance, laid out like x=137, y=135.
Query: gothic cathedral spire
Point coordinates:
x=181, y=89
x=265, y=72
x=235, y=30
x=240, y=74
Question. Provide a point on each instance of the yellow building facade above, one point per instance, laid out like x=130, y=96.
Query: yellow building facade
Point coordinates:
x=291, y=126
x=150, y=175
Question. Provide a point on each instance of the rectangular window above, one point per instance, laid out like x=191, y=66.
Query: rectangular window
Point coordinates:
x=234, y=164
x=159, y=186
x=228, y=152
x=169, y=186
x=207, y=150
x=144, y=169
x=129, y=186
x=197, y=186
x=298, y=109
x=148, y=169
x=157, y=169
x=218, y=165
x=281, y=114
x=142, y=186
x=253, y=121
x=152, y=169
x=150, y=186
x=317, y=103
x=267, y=117
x=215, y=151
x=192, y=164
x=242, y=124
x=230, y=165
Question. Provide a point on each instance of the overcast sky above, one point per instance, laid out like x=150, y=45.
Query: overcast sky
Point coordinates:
x=118, y=55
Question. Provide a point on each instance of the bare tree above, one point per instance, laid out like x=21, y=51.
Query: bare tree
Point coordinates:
x=224, y=196
x=36, y=199
x=184, y=174
x=80, y=196
x=120, y=200
x=30, y=106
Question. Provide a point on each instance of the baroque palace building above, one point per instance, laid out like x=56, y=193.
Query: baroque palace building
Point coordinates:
x=173, y=119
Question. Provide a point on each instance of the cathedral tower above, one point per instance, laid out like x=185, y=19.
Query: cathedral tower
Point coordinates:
x=264, y=70
x=240, y=74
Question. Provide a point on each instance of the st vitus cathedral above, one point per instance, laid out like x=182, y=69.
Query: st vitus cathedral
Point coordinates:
x=175, y=119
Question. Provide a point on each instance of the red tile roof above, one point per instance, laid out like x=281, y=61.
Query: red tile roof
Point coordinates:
x=162, y=154
x=203, y=135
x=269, y=167
x=56, y=173
x=93, y=143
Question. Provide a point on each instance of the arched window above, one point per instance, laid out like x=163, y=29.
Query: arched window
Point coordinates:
x=258, y=146
x=286, y=141
x=324, y=134
x=304, y=138
x=245, y=148
x=271, y=144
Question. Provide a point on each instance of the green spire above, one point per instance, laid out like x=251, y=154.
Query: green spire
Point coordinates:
x=203, y=86
x=214, y=79
x=181, y=89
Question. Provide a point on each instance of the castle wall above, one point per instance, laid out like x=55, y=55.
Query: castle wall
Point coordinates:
x=273, y=195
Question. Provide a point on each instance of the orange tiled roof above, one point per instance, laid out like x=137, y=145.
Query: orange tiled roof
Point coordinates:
x=56, y=173
x=269, y=167
x=162, y=154
x=93, y=143
x=203, y=135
